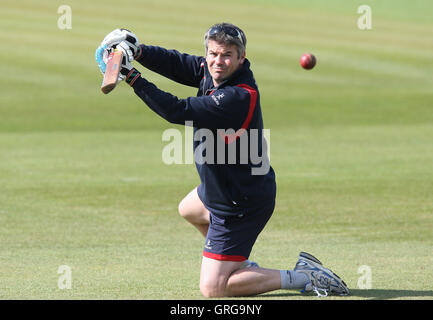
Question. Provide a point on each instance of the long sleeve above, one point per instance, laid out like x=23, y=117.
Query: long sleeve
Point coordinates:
x=180, y=67
x=227, y=108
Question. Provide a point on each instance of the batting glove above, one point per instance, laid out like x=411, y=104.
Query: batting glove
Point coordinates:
x=127, y=71
x=129, y=44
x=129, y=40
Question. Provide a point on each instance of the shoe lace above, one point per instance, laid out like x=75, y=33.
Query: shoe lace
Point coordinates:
x=321, y=292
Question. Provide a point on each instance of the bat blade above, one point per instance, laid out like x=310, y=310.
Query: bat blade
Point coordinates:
x=112, y=70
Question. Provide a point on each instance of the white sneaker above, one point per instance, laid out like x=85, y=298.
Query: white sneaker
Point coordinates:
x=322, y=280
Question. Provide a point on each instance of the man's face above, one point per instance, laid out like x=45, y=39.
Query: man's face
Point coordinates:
x=222, y=60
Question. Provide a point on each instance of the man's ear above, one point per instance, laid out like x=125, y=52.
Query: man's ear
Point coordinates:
x=242, y=58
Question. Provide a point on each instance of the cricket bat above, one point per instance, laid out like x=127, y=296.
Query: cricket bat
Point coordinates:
x=112, y=70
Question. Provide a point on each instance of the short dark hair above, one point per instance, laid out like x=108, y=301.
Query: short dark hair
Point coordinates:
x=226, y=33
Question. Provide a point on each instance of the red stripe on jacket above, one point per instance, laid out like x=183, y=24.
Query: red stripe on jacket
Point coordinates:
x=229, y=138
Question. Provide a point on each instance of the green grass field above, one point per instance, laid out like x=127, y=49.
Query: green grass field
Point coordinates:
x=82, y=182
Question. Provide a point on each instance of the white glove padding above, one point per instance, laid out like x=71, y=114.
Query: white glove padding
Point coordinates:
x=129, y=41
x=122, y=35
x=126, y=65
x=127, y=50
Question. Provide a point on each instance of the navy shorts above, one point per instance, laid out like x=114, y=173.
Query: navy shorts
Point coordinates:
x=231, y=238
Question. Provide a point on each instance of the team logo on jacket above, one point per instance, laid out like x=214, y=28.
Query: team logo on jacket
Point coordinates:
x=217, y=98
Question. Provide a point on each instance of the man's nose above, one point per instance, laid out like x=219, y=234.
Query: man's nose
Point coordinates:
x=219, y=59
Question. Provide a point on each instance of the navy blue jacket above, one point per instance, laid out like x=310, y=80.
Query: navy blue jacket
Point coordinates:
x=226, y=188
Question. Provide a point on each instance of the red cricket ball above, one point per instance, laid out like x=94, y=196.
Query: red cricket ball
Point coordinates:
x=307, y=61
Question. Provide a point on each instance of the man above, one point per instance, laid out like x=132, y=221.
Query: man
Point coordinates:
x=236, y=196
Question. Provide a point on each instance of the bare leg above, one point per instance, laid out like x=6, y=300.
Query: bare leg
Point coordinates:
x=224, y=278
x=192, y=209
x=252, y=281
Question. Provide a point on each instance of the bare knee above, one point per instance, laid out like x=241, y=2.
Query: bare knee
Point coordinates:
x=212, y=289
x=192, y=209
x=183, y=209
x=214, y=277
x=189, y=212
